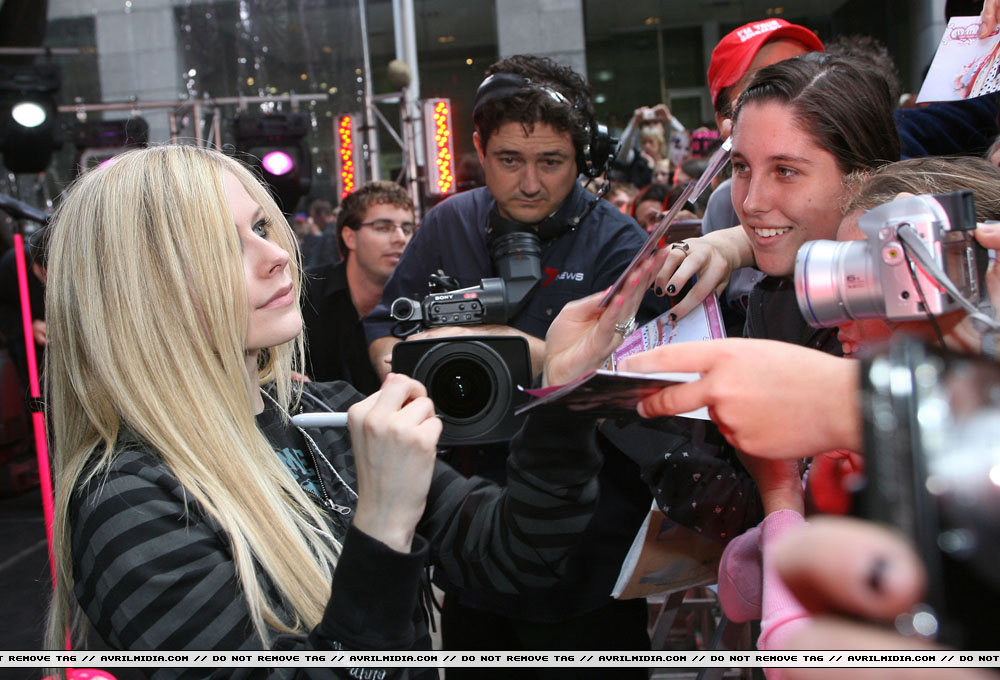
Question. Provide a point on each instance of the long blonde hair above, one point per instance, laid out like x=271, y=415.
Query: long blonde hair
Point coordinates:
x=146, y=307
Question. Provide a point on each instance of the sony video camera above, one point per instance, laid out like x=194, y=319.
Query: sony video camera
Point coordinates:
x=515, y=251
x=877, y=277
x=932, y=470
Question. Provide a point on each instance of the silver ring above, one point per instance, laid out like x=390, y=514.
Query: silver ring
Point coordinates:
x=681, y=245
x=626, y=328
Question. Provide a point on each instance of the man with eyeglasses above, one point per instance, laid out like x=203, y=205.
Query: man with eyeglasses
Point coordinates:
x=375, y=224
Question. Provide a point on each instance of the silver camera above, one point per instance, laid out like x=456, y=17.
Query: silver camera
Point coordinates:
x=877, y=278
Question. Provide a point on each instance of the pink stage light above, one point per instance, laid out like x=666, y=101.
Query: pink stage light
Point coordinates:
x=277, y=163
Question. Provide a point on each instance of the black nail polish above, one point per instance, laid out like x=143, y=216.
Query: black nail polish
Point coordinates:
x=671, y=289
x=876, y=575
x=659, y=291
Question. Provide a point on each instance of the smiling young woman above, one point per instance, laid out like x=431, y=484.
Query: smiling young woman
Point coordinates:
x=801, y=128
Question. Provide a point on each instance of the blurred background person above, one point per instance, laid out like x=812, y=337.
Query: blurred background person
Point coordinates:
x=375, y=225
x=629, y=164
x=649, y=204
x=319, y=246
x=301, y=226
x=663, y=172
x=653, y=149
x=621, y=195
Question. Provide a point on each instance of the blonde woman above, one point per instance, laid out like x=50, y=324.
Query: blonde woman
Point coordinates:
x=653, y=145
x=190, y=513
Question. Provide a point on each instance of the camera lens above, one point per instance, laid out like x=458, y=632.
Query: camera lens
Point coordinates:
x=836, y=282
x=472, y=382
x=470, y=385
x=402, y=309
x=461, y=388
x=515, y=244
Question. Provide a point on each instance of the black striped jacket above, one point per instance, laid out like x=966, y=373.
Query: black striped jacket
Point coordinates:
x=150, y=576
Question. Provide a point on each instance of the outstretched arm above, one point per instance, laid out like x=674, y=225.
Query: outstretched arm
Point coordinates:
x=770, y=399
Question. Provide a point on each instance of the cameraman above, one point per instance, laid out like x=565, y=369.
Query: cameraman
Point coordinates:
x=532, y=125
x=530, y=145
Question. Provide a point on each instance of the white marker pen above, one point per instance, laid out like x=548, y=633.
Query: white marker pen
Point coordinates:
x=320, y=419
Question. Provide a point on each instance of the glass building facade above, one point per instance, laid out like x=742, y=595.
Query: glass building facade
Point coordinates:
x=636, y=53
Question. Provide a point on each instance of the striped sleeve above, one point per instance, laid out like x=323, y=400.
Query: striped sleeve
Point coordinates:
x=142, y=564
x=151, y=574
x=517, y=538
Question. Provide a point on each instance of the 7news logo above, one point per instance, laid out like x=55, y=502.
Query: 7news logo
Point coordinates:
x=552, y=274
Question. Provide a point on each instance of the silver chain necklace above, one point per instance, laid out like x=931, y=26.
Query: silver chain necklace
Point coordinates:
x=314, y=447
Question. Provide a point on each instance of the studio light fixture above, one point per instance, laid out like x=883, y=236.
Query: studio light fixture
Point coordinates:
x=274, y=144
x=29, y=123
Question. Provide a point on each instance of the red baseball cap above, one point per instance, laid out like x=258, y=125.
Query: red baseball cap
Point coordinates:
x=732, y=56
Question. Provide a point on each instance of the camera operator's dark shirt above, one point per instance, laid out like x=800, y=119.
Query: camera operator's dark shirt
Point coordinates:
x=335, y=338
x=588, y=259
x=452, y=237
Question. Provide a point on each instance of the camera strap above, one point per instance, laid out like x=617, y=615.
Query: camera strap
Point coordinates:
x=915, y=247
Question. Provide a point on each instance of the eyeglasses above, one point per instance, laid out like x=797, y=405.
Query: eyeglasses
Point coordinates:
x=386, y=227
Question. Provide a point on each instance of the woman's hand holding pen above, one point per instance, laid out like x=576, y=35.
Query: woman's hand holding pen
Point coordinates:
x=394, y=434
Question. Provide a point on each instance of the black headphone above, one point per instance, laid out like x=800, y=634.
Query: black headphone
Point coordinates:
x=598, y=148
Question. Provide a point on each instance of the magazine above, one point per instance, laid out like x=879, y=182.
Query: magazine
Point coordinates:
x=703, y=323
x=602, y=393
x=964, y=66
x=610, y=393
x=665, y=557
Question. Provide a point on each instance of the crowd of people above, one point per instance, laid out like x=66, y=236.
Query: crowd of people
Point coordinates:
x=191, y=513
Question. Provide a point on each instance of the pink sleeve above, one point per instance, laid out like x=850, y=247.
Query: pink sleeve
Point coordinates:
x=740, y=577
x=782, y=613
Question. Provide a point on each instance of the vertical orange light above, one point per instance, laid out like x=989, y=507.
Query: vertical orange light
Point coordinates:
x=439, y=147
x=345, y=151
